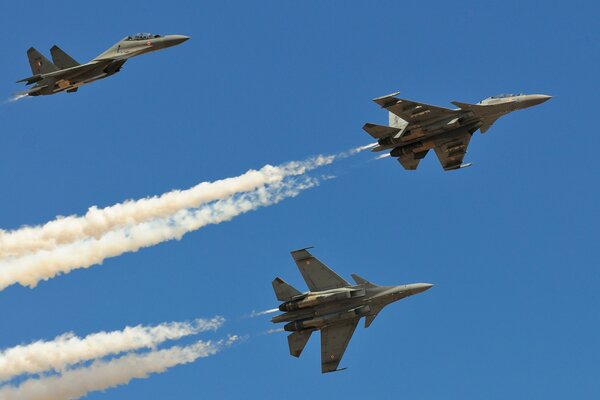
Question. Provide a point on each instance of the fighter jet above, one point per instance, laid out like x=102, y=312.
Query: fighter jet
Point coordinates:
x=415, y=128
x=67, y=75
x=332, y=306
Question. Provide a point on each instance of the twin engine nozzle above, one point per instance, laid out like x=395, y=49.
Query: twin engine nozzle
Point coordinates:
x=319, y=322
x=311, y=300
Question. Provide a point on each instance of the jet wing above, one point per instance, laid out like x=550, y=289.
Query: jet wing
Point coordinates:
x=451, y=152
x=334, y=340
x=412, y=111
x=317, y=275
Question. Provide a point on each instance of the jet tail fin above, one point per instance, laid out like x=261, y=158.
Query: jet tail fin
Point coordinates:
x=283, y=290
x=297, y=341
x=39, y=64
x=62, y=59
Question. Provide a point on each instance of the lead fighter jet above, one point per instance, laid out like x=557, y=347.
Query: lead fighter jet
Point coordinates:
x=332, y=306
x=415, y=128
x=67, y=75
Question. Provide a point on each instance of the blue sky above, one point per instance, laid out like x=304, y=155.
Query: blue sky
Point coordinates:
x=510, y=243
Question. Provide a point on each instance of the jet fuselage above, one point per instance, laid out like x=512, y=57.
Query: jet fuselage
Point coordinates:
x=54, y=78
x=336, y=304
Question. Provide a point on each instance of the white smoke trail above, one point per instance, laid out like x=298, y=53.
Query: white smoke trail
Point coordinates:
x=362, y=148
x=382, y=156
x=101, y=375
x=97, y=222
x=259, y=313
x=45, y=264
x=69, y=349
x=276, y=330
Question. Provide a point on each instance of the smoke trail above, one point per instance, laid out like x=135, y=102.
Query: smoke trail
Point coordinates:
x=69, y=349
x=97, y=222
x=259, y=313
x=276, y=330
x=101, y=375
x=45, y=264
x=382, y=156
x=361, y=148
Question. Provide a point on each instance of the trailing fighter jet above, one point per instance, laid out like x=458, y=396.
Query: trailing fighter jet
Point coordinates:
x=67, y=75
x=332, y=306
x=415, y=128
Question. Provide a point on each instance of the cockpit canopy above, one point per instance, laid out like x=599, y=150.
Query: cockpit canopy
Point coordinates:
x=502, y=96
x=142, y=36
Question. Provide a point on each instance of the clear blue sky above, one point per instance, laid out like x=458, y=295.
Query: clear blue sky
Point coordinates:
x=510, y=243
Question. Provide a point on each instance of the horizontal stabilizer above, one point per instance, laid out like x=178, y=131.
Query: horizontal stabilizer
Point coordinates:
x=31, y=79
x=387, y=100
x=62, y=59
x=380, y=131
x=283, y=290
x=297, y=341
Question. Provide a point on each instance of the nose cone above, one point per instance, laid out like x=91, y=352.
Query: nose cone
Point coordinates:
x=535, y=99
x=420, y=287
x=173, y=40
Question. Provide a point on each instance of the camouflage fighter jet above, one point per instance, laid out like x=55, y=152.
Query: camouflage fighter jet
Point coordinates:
x=332, y=306
x=415, y=128
x=67, y=75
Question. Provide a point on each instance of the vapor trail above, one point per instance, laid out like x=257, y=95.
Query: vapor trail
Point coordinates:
x=101, y=375
x=69, y=349
x=97, y=222
x=29, y=269
x=259, y=313
x=276, y=330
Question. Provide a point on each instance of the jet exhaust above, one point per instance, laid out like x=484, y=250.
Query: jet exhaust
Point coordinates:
x=319, y=322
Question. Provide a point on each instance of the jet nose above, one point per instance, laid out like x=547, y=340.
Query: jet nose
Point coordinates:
x=420, y=287
x=426, y=286
x=535, y=99
x=173, y=40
